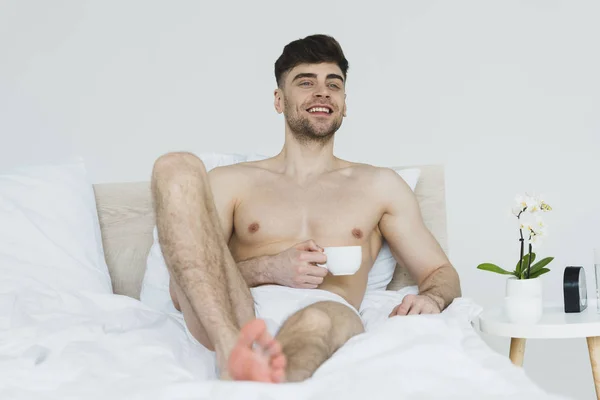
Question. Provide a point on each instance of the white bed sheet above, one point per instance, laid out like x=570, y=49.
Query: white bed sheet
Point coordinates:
x=100, y=346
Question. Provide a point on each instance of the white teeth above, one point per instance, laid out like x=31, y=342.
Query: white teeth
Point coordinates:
x=318, y=109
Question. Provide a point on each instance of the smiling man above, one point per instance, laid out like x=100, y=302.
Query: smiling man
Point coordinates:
x=243, y=243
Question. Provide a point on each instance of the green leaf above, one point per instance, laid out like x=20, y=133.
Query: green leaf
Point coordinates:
x=538, y=273
x=493, y=268
x=525, y=263
x=541, y=264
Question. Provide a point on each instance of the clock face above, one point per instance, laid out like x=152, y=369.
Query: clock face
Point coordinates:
x=582, y=288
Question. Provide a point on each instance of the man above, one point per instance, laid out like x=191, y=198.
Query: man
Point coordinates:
x=265, y=223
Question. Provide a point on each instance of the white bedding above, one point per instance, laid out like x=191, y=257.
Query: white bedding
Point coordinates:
x=100, y=346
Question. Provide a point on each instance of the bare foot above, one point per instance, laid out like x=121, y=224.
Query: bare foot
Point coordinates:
x=264, y=362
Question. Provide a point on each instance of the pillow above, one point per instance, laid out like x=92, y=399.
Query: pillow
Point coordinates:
x=155, y=285
x=50, y=234
x=382, y=272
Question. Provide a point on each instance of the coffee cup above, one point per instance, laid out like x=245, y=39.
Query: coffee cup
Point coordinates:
x=343, y=260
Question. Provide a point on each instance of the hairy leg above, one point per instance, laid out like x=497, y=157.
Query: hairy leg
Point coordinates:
x=313, y=334
x=306, y=340
x=205, y=282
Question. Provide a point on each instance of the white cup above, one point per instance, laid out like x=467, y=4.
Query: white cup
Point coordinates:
x=343, y=260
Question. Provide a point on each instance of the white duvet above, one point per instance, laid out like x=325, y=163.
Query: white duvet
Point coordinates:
x=72, y=345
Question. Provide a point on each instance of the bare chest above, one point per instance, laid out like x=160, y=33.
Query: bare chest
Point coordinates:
x=332, y=214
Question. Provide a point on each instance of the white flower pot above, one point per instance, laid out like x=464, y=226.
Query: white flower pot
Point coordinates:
x=523, y=303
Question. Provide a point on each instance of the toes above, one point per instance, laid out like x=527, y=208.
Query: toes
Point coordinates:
x=265, y=340
x=278, y=362
x=252, y=331
x=273, y=348
x=278, y=375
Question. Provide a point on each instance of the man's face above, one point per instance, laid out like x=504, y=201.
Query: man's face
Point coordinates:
x=313, y=101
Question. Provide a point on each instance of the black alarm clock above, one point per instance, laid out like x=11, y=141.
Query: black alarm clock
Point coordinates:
x=574, y=289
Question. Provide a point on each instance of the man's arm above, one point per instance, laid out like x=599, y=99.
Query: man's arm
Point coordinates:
x=293, y=267
x=414, y=247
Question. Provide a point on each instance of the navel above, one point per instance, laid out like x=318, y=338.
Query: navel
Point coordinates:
x=357, y=233
x=253, y=227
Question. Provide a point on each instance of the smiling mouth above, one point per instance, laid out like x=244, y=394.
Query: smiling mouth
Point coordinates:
x=320, y=110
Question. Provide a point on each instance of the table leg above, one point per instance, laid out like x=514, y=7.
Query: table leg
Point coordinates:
x=517, y=351
x=594, y=349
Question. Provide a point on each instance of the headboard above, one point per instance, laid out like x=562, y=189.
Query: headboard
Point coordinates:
x=127, y=220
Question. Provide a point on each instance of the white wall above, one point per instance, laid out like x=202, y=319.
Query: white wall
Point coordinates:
x=505, y=94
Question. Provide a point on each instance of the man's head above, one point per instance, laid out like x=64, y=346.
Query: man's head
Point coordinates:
x=311, y=81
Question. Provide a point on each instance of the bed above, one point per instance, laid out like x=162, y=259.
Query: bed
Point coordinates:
x=59, y=343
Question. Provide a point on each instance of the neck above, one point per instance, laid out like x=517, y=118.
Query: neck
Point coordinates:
x=302, y=160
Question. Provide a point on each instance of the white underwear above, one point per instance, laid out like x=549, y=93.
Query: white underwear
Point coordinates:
x=275, y=304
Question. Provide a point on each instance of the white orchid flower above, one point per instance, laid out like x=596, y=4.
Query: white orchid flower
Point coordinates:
x=533, y=203
x=519, y=199
x=516, y=210
x=519, y=206
x=536, y=241
x=539, y=223
x=545, y=206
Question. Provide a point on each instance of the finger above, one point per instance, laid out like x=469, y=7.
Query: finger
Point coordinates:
x=308, y=245
x=307, y=286
x=404, y=307
x=416, y=308
x=313, y=257
x=313, y=280
x=316, y=271
x=427, y=309
x=394, y=311
x=435, y=309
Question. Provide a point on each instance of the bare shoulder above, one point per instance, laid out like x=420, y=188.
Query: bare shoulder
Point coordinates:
x=385, y=183
x=383, y=179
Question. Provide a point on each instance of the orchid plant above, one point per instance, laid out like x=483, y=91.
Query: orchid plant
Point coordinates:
x=528, y=210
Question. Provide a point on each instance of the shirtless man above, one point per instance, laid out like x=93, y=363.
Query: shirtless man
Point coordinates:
x=266, y=223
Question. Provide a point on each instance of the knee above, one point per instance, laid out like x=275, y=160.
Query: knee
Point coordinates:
x=314, y=318
x=343, y=320
x=177, y=164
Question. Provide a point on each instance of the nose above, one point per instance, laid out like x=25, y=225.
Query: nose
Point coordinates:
x=322, y=91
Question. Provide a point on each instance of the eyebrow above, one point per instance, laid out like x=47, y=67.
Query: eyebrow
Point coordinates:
x=311, y=75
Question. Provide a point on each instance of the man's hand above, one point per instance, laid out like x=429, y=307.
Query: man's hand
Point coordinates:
x=296, y=267
x=416, y=304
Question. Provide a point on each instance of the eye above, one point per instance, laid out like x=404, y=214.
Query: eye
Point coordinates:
x=305, y=83
x=334, y=85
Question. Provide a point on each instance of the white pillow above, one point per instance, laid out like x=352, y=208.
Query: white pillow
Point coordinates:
x=49, y=231
x=155, y=286
x=382, y=272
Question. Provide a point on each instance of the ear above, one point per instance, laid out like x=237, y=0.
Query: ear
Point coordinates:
x=345, y=108
x=278, y=100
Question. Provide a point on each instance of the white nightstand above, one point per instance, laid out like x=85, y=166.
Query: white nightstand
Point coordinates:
x=555, y=324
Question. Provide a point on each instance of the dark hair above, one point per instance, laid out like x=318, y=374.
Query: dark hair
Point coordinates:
x=312, y=49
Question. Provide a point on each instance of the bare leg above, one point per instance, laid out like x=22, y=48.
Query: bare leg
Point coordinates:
x=308, y=338
x=206, y=284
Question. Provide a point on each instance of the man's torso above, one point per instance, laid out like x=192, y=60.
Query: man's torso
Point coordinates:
x=339, y=208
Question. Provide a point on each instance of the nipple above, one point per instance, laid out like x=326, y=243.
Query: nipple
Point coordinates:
x=357, y=233
x=254, y=227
